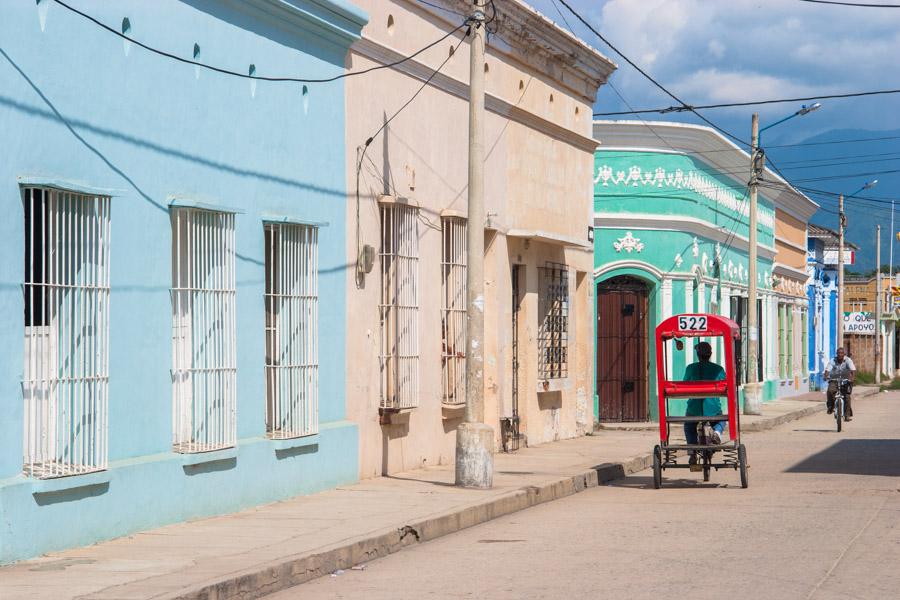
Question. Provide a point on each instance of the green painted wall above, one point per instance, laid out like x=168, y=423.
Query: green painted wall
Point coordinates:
x=682, y=187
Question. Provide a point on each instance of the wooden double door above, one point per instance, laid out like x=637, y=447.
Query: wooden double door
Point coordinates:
x=622, y=353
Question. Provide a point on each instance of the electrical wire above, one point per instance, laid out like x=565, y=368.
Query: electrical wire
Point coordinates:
x=650, y=78
x=669, y=109
x=855, y=4
x=188, y=61
x=365, y=147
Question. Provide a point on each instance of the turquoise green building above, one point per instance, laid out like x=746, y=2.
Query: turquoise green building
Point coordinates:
x=671, y=225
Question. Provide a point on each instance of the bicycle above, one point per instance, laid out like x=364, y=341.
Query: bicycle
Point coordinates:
x=842, y=385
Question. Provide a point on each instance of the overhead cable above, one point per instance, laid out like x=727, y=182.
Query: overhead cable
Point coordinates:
x=854, y=4
x=670, y=109
x=254, y=76
x=650, y=78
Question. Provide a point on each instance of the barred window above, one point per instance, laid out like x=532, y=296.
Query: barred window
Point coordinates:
x=204, y=368
x=453, y=310
x=292, y=330
x=66, y=287
x=399, y=306
x=553, y=336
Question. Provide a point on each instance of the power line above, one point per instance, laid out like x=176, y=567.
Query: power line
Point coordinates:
x=847, y=176
x=669, y=109
x=856, y=4
x=253, y=76
x=649, y=77
x=365, y=147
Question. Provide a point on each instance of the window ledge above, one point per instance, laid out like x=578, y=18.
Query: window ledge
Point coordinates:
x=554, y=385
x=297, y=442
x=70, y=482
x=452, y=411
x=198, y=458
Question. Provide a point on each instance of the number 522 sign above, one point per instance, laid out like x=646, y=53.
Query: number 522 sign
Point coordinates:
x=692, y=323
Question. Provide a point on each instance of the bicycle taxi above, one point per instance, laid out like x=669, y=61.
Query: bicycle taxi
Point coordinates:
x=732, y=453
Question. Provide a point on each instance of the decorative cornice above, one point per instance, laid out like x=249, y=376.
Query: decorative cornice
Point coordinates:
x=383, y=54
x=791, y=244
x=706, y=145
x=679, y=224
x=337, y=21
x=527, y=36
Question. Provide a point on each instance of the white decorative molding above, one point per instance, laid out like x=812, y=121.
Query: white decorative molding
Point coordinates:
x=629, y=264
x=704, y=263
x=703, y=144
x=680, y=224
x=698, y=182
x=629, y=244
x=695, y=248
x=678, y=260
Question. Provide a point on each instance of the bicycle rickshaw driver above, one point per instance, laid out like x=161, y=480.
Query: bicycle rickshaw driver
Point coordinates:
x=840, y=367
x=704, y=370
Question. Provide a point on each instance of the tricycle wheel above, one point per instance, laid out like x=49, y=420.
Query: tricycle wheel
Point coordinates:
x=706, y=468
x=657, y=467
x=742, y=463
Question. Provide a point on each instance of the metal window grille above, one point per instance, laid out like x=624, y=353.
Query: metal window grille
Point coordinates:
x=292, y=332
x=553, y=336
x=782, y=370
x=203, y=330
x=66, y=378
x=453, y=310
x=399, y=306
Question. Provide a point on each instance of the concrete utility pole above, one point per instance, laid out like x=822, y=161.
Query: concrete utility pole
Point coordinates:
x=474, y=439
x=840, y=290
x=752, y=404
x=878, y=297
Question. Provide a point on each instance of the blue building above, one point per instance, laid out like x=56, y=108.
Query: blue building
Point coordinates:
x=821, y=290
x=168, y=232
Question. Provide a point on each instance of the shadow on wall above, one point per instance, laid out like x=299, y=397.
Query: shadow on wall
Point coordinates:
x=854, y=457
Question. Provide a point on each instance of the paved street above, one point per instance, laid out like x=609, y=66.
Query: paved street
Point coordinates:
x=821, y=519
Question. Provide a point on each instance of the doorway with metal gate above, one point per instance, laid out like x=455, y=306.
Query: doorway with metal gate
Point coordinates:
x=622, y=349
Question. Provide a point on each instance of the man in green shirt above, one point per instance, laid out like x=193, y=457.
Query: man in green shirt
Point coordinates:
x=704, y=370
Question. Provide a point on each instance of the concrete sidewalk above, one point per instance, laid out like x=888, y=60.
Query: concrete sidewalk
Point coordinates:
x=259, y=551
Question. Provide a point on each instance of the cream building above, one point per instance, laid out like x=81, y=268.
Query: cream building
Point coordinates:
x=405, y=333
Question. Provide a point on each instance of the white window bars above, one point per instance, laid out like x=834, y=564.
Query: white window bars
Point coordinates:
x=66, y=377
x=399, y=306
x=203, y=330
x=292, y=332
x=453, y=310
x=553, y=336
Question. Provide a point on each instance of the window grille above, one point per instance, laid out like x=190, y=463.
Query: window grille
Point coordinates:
x=453, y=310
x=399, y=306
x=782, y=370
x=292, y=333
x=203, y=330
x=553, y=336
x=804, y=341
x=65, y=377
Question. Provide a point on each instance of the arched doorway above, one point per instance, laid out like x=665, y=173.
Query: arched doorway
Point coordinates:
x=622, y=353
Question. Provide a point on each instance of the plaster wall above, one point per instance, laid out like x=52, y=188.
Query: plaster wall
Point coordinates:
x=79, y=105
x=537, y=179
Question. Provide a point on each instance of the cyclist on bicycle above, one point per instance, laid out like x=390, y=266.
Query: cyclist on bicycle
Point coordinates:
x=841, y=367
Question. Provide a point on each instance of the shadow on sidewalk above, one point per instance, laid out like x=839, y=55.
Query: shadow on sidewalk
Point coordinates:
x=646, y=482
x=854, y=457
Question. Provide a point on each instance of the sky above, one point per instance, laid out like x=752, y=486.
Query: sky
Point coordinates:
x=711, y=51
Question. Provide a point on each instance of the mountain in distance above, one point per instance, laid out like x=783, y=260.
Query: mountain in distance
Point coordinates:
x=839, y=162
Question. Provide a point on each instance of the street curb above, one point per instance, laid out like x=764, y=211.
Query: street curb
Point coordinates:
x=262, y=580
x=285, y=573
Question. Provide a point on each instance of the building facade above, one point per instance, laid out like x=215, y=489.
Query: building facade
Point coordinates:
x=671, y=221
x=406, y=309
x=169, y=231
x=860, y=297
x=822, y=263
